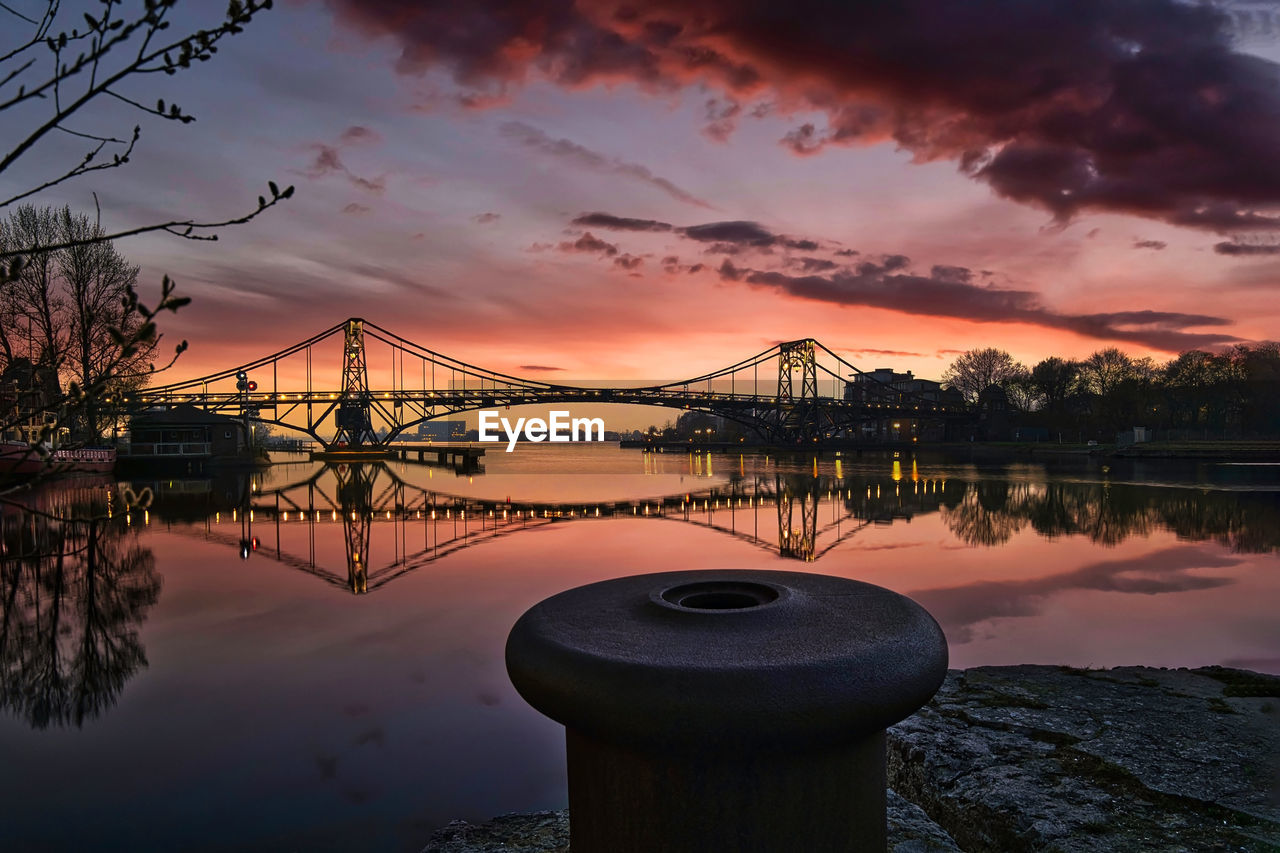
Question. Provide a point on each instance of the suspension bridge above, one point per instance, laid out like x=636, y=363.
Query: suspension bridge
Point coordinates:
x=794, y=392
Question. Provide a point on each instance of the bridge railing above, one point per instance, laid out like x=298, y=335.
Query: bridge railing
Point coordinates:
x=170, y=448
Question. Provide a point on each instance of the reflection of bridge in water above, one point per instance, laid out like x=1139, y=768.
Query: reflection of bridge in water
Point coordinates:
x=796, y=516
x=802, y=516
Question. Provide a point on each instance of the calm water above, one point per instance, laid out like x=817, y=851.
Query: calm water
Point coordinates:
x=340, y=686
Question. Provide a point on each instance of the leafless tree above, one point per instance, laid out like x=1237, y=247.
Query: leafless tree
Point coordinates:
x=75, y=304
x=56, y=62
x=976, y=370
x=49, y=75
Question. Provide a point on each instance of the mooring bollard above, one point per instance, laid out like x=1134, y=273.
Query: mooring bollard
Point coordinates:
x=735, y=711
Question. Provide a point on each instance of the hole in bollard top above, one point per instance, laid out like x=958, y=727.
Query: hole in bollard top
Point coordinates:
x=719, y=595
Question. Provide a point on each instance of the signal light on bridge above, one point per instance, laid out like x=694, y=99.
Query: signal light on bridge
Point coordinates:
x=253, y=386
x=241, y=375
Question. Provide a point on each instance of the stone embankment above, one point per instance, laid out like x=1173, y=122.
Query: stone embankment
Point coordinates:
x=1042, y=758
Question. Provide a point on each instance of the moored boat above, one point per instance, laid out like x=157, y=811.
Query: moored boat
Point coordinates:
x=18, y=457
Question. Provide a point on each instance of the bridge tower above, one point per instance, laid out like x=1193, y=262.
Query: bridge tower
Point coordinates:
x=355, y=428
x=793, y=408
x=793, y=356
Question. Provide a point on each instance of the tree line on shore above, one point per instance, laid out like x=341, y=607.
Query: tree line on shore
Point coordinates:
x=66, y=319
x=1230, y=394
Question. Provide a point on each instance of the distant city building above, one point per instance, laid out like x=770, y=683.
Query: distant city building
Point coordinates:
x=442, y=431
x=870, y=388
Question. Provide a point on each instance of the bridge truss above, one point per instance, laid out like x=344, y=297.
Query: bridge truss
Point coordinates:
x=794, y=392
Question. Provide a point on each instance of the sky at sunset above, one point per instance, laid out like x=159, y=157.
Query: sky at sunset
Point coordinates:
x=562, y=189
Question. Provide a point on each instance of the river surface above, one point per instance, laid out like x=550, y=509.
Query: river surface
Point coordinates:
x=311, y=657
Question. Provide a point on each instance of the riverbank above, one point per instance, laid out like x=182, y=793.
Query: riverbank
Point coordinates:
x=1044, y=758
x=1210, y=450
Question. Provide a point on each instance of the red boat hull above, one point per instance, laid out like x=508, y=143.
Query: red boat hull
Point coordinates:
x=20, y=459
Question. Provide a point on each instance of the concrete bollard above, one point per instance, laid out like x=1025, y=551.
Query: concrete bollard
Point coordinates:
x=737, y=711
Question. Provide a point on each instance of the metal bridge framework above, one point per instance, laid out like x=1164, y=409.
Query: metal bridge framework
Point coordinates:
x=424, y=385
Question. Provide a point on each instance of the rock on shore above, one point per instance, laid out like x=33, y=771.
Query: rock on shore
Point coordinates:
x=1050, y=758
x=1042, y=758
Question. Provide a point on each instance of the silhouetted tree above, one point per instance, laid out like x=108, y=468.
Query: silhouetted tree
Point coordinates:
x=1103, y=371
x=1201, y=390
x=1258, y=380
x=1022, y=392
x=1055, y=380
x=76, y=296
x=54, y=80
x=974, y=371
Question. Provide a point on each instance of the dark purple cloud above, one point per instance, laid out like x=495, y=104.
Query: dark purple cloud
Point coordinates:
x=486, y=218
x=722, y=118
x=946, y=291
x=539, y=368
x=585, y=158
x=807, y=264
x=357, y=134
x=1157, y=245
x=328, y=162
x=1238, y=249
x=590, y=244
x=951, y=292
x=619, y=223
x=1134, y=106
x=742, y=234
x=628, y=262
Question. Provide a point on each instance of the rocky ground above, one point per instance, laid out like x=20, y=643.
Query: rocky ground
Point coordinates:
x=1041, y=758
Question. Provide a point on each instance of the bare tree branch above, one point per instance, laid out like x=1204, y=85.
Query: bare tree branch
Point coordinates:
x=87, y=73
